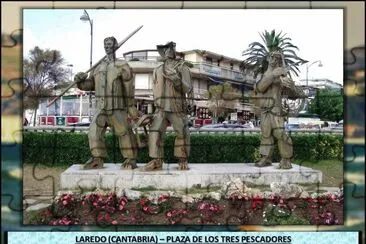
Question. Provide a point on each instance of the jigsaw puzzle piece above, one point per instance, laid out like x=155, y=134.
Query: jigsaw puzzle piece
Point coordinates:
x=12, y=40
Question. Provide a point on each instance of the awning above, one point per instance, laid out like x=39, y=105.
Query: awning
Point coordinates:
x=145, y=98
x=216, y=80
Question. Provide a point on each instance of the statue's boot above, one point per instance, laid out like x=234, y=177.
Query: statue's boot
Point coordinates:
x=285, y=163
x=155, y=164
x=264, y=161
x=183, y=164
x=94, y=163
x=129, y=163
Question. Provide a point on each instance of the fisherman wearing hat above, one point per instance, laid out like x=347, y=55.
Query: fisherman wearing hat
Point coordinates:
x=171, y=83
x=270, y=89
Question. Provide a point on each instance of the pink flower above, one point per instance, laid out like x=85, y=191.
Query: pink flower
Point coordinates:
x=114, y=222
x=64, y=202
x=201, y=206
x=169, y=214
x=107, y=218
x=145, y=208
x=66, y=222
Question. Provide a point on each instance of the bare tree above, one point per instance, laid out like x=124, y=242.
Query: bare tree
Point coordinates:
x=42, y=70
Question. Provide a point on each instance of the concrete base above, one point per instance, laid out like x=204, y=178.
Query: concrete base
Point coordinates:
x=199, y=175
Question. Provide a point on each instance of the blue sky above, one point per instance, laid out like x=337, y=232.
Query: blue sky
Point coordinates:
x=318, y=32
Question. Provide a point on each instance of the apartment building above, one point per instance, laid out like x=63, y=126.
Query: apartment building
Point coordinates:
x=208, y=69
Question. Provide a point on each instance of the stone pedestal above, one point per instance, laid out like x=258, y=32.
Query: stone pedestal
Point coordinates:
x=170, y=178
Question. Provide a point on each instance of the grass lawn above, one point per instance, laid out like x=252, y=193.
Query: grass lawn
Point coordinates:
x=332, y=171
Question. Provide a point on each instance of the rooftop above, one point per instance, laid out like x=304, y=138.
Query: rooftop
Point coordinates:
x=212, y=54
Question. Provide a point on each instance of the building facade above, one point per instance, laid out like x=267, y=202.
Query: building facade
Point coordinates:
x=208, y=69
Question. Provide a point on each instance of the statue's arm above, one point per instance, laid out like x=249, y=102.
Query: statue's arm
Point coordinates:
x=265, y=82
x=128, y=82
x=84, y=82
x=186, y=79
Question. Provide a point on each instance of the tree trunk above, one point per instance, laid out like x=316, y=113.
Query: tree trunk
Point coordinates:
x=35, y=117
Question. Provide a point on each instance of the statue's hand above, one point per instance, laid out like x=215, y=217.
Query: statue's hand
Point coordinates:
x=80, y=77
x=132, y=111
x=280, y=71
x=170, y=72
x=173, y=75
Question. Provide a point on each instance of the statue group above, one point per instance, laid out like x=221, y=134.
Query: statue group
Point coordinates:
x=113, y=82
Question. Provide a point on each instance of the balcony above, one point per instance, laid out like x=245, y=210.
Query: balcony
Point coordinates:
x=219, y=72
x=148, y=63
x=144, y=63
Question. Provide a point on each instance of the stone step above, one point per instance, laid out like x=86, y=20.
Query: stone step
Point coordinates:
x=199, y=175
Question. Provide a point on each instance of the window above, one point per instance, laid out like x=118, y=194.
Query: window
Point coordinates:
x=195, y=84
x=231, y=66
x=54, y=109
x=43, y=108
x=142, y=81
x=140, y=55
x=85, y=108
x=128, y=56
x=209, y=60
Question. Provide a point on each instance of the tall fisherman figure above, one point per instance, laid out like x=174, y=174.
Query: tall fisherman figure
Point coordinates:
x=113, y=83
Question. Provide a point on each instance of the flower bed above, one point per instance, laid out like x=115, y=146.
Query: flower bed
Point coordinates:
x=110, y=209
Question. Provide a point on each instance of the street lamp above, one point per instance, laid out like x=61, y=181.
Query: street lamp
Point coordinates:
x=307, y=69
x=70, y=65
x=307, y=79
x=85, y=17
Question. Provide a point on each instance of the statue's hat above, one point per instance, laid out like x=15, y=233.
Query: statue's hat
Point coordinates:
x=161, y=48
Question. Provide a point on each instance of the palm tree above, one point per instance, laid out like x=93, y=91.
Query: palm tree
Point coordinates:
x=257, y=53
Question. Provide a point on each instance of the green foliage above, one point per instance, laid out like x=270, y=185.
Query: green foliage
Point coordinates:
x=65, y=149
x=328, y=104
x=274, y=215
x=257, y=52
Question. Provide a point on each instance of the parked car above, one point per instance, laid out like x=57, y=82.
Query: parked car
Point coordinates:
x=292, y=126
x=223, y=127
x=83, y=124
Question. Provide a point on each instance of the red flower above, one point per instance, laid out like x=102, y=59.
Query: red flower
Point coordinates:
x=107, y=218
x=142, y=201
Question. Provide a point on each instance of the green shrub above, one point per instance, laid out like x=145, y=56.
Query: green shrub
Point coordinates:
x=274, y=215
x=67, y=148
